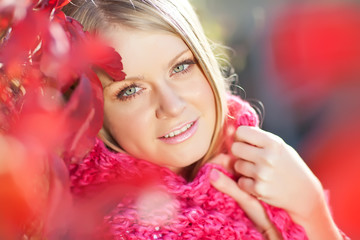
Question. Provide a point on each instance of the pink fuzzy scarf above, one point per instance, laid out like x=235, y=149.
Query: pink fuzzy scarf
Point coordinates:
x=151, y=202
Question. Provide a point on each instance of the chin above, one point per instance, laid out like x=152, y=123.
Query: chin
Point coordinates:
x=187, y=160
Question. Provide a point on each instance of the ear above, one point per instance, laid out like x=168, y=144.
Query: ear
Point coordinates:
x=109, y=141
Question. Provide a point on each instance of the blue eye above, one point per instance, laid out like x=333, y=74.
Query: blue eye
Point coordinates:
x=131, y=91
x=128, y=92
x=183, y=66
x=180, y=68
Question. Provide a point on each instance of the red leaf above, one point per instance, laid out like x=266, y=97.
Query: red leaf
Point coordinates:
x=33, y=110
x=84, y=115
x=23, y=39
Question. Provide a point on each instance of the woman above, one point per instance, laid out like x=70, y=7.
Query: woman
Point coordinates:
x=173, y=113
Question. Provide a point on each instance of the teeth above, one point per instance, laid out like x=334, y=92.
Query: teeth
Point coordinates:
x=184, y=129
x=177, y=132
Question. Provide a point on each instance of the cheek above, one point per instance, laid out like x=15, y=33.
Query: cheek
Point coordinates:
x=124, y=125
x=209, y=94
x=202, y=85
x=209, y=105
x=204, y=95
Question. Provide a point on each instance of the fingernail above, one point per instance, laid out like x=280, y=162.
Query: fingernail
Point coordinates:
x=214, y=175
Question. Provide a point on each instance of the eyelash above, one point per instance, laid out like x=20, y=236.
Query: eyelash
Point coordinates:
x=121, y=93
x=188, y=62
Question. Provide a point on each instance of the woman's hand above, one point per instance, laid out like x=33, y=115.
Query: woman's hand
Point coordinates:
x=272, y=171
x=247, y=202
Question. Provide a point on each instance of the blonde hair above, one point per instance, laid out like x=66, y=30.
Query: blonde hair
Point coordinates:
x=175, y=16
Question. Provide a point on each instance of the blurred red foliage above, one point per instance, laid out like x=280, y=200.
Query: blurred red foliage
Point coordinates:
x=51, y=107
x=316, y=53
x=315, y=47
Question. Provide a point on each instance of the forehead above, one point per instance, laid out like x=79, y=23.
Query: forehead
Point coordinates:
x=140, y=49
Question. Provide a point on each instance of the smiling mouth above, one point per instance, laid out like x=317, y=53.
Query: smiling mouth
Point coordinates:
x=181, y=134
x=179, y=131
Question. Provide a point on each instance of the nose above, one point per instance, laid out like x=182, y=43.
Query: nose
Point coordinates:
x=170, y=103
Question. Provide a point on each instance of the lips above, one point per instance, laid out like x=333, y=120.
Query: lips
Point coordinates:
x=181, y=133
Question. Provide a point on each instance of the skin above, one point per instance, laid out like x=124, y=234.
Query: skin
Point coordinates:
x=273, y=172
x=161, y=93
x=166, y=100
x=163, y=90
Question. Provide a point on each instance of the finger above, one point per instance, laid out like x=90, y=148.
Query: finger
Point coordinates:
x=255, y=136
x=253, y=171
x=245, y=168
x=248, y=203
x=250, y=186
x=224, y=160
x=246, y=151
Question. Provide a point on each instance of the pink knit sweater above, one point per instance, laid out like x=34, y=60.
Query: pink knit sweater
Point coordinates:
x=151, y=202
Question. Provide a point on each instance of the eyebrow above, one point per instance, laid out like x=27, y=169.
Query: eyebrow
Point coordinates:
x=171, y=63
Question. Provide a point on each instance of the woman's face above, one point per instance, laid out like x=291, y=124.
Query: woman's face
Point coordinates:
x=164, y=110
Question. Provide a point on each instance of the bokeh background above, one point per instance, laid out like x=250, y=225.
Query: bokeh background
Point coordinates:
x=301, y=60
